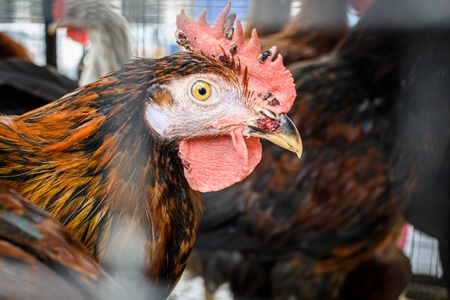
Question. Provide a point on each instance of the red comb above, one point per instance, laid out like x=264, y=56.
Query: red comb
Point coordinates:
x=75, y=34
x=272, y=84
x=78, y=35
x=57, y=9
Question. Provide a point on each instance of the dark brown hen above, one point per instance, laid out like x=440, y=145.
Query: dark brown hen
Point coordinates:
x=374, y=117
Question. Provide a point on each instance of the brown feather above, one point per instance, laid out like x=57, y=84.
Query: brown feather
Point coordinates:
x=10, y=48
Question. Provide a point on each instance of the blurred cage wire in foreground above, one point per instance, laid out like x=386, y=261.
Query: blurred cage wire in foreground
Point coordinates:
x=152, y=24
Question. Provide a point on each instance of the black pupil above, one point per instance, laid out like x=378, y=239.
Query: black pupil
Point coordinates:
x=202, y=91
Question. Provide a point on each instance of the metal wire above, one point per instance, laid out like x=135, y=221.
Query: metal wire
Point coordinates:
x=21, y=11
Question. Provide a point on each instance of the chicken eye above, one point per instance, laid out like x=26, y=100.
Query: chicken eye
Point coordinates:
x=201, y=90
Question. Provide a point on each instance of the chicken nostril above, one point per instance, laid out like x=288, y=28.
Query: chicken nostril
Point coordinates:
x=268, y=113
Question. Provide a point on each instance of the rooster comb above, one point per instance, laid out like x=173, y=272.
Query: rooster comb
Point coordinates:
x=272, y=84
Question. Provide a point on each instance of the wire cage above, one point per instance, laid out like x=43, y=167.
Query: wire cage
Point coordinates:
x=23, y=20
x=152, y=25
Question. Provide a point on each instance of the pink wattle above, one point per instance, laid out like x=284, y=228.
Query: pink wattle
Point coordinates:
x=212, y=164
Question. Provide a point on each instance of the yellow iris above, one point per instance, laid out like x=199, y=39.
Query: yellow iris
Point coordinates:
x=201, y=90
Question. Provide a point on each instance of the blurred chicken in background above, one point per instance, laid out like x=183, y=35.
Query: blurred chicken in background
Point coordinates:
x=374, y=115
x=99, y=26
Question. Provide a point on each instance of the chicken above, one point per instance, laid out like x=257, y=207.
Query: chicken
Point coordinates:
x=374, y=117
x=117, y=160
x=101, y=24
x=43, y=258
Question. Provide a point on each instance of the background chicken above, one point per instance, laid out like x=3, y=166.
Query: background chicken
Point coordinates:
x=115, y=160
x=373, y=115
x=102, y=28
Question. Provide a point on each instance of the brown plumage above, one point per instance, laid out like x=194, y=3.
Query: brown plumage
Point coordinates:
x=43, y=258
x=104, y=160
x=374, y=117
x=11, y=49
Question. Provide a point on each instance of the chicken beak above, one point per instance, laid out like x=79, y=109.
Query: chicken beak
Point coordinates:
x=278, y=129
x=52, y=28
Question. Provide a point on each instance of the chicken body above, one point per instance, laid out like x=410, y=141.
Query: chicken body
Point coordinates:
x=104, y=160
x=374, y=118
